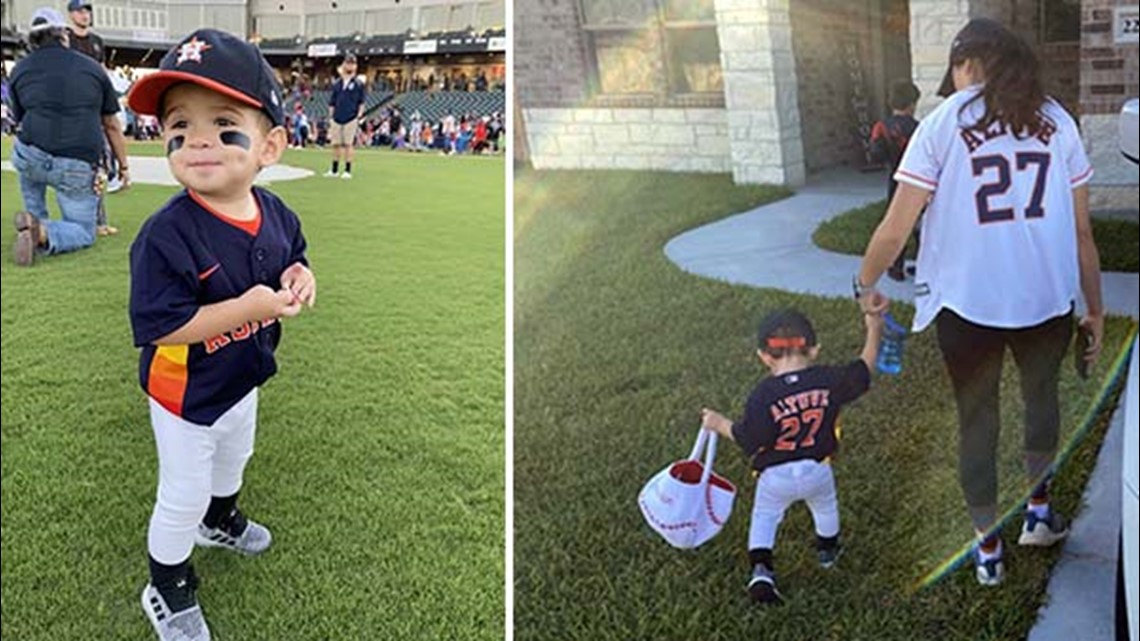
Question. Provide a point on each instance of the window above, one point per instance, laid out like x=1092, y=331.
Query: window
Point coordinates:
x=1061, y=21
x=661, y=48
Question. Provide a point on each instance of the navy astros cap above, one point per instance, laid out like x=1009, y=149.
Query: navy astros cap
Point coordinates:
x=217, y=61
x=978, y=36
x=786, y=328
x=76, y=5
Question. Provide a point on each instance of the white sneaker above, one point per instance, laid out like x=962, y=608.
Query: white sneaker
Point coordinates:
x=174, y=612
x=254, y=539
x=346, y=175
x=330, y=174
x=114, y=185
x=1042, y=532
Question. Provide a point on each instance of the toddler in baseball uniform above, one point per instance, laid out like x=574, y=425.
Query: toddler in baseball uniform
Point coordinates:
x=213, y=272
x=790, y=430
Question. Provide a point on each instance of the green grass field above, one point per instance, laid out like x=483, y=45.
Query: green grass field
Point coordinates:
x=617, y=350
x=1118, y=241
x=380, y=463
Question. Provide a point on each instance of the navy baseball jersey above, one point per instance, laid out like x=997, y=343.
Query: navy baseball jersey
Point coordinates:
x=187, y=256
x=793, y=416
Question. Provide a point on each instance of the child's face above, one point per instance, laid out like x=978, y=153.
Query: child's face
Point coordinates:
x=216, y=145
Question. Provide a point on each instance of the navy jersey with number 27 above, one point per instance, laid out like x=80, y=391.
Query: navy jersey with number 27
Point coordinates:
x=792, y=416
x=187, y=256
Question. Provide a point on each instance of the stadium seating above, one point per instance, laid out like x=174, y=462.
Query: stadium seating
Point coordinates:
x=434, y=105
x=317, y=105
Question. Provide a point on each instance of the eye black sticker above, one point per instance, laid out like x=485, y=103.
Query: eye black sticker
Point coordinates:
x=237, y=139
x=174, y=144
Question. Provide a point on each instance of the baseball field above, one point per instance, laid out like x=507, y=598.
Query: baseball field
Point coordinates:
x=380, y=449
x=617, y=350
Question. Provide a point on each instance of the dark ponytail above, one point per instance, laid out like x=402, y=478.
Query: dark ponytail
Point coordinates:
x=1013, y=91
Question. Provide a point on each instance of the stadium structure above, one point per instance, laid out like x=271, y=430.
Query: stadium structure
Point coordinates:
x=433, y=57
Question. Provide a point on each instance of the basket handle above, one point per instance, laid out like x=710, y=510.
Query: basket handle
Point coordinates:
x=706, y=441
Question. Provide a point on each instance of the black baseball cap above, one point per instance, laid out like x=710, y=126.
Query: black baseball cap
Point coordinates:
x=348, y=57
x=76, y=5
x=786, y=328
x=978, y=37
x=217, y=61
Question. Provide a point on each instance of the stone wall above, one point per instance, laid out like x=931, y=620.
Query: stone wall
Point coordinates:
x=933, y=25
x=661, y=139
x=761, y=91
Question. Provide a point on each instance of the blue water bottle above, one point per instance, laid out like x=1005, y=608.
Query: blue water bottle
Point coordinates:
x=891, y=346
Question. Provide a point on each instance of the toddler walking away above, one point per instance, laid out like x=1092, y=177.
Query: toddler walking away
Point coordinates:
x=789, y=430
x=212, y=273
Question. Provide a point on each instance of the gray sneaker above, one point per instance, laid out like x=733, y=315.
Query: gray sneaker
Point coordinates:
x=1043, y=532
x=174, y=612
x=237, y=534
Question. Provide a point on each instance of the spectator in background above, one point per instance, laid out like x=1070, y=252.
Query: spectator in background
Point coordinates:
x=889, y=139
x=495, y=130
x=66, y=107
x=91, y=45
x=481, y=82
x=347, y=107
x=82, y=38
x=5, y=119
x=300, y=126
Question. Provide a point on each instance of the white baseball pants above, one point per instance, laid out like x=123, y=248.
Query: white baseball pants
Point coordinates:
x=195, y=462
x=782, y=485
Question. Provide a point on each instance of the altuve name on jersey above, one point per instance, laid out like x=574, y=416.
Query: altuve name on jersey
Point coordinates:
x=796, y=403
x=245, y=332
x=975, y=138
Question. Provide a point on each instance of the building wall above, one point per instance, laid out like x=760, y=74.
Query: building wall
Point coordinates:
x=1108, y=78
x=566, y=128
x=549, y=54
x=601, y=138
x=837, y=84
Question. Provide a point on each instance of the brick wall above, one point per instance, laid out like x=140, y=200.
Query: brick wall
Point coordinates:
x=550, y=54
x=1108, y=71
x=1108, y=77
x=821, y=33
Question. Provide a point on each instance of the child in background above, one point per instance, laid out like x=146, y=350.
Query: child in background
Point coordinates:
x=889, y=139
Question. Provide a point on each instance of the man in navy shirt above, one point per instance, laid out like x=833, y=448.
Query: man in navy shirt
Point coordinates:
x=347, y=107
x=65, y=106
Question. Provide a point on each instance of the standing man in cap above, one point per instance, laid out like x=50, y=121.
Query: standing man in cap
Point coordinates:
x=65, y=106
x=83, y=39
x=347, y=107
x=90, y=44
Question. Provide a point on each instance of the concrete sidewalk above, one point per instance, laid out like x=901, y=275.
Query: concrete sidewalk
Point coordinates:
x=771, y=246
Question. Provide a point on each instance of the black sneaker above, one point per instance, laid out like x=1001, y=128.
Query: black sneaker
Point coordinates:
x=173, y=610
x=762, y=586
x=829, y=555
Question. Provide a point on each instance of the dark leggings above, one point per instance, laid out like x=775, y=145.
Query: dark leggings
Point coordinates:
x=973, y=355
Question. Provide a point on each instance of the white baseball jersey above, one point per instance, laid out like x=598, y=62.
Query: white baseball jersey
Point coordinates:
x=999, y=243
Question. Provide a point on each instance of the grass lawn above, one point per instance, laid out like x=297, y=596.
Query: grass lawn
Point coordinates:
x=616, y=351
x=380, y=463
x=1118, y=241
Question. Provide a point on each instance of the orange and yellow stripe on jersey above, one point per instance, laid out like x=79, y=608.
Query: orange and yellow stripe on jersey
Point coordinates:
x=166, y=381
